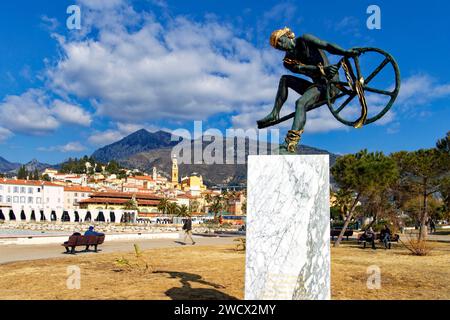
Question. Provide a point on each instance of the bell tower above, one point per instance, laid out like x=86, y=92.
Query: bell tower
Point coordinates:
x=175, y=172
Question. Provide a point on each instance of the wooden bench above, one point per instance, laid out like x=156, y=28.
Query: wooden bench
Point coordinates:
x=337, y=232
x=86, y=241
x=394, y=238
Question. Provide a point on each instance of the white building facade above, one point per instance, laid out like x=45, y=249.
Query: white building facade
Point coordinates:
x=26, y=194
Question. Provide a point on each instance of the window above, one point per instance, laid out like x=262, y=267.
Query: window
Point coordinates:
x=1, y=198
x=30, y=190
x=16, y=200
x=8, y=199
x=82, y=195
x=30, y=199
x=38, y=189
x=23, y=190
x=16, y=190
x=76, y=194
x=38, y=200
x=1, y=187
x=22, y=199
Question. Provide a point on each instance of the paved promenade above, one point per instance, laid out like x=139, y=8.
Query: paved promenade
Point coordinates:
x=11, y=253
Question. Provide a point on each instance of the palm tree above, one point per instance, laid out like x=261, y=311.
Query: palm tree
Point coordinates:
x=216, y=206
x=183, y=211
x=172, y=209
x=163, y=206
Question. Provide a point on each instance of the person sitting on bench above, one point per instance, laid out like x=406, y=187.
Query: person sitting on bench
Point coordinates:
x=369, y=236
x=76, y=234
x=92, y=232
x=385, y=236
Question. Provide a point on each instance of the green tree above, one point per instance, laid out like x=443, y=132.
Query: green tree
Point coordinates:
x=131, y=204
x=22, y=174
x=163, y=206
x=36, y=175
x=183, y=211
x=173, y=209
x=444, y=143
x=362, y=174
x=216, y=206
x=113, y=167
x=424, y=172
x=444, y=190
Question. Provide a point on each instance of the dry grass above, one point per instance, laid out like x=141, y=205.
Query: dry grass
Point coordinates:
x=218, y=273
x=403, y=275
x=177, y=273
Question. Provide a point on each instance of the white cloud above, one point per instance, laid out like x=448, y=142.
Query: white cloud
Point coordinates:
x=33, y=112
x=100, y=138
x=67, y=148
x=28, y=113
x=121, y=130
x=4, y=134
x=70, y=113
x=183, y=71
x=421, y=89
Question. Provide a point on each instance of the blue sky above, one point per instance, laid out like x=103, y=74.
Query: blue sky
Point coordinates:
x=163, y=64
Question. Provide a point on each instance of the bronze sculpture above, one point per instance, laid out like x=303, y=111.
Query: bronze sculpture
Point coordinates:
x=305, y=55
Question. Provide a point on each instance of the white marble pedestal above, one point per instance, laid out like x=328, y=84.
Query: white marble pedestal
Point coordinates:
x=288, y=228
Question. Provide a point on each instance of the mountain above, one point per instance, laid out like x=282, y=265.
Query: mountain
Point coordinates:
x=133, y=152
x=10, y=169
x=140, y=141
x=35, y=164
x=6, y=166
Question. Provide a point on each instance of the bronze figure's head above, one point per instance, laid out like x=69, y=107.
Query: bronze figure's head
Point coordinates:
x=282, y=39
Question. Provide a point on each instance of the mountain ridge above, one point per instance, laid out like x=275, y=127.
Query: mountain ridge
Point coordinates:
x=148, y=156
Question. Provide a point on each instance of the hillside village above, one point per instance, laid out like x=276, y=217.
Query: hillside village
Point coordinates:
x=85, y=186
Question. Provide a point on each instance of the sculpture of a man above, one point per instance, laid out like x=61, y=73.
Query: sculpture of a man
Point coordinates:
x=304, y=55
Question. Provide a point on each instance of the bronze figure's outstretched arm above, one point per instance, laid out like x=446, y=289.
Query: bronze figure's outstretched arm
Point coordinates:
x=328, y=46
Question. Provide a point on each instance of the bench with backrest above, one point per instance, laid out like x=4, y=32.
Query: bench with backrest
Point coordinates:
x=85, y=241
x=394, y=238
x=336, y=232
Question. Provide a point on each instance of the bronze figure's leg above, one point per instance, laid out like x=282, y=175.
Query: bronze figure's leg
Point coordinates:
x=309, y=98
x=287, y=81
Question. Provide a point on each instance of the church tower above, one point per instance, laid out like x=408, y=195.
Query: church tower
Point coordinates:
x=175, y=172
x=155, y=174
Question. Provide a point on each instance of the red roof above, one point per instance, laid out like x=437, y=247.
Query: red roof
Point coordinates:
x=78, y=189
x=148, y=178
x=119, y=201
x=29, y=183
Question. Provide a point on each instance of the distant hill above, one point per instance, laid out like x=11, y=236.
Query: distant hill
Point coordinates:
x=140, y=141
x=35, y=164
x=142, y=150
x=10, y=168
x=6, y=166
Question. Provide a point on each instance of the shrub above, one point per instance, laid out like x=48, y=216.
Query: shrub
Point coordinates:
x=417, y=247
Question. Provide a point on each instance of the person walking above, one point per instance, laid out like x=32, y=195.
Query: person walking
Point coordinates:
x=385, y=236
x=187, y=227
x=432, y=226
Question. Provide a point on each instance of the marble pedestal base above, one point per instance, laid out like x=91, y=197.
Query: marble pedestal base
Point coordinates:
x=288, y=228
